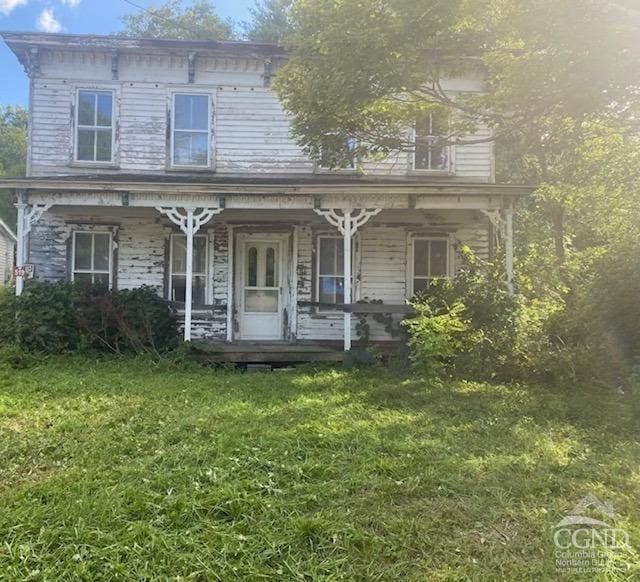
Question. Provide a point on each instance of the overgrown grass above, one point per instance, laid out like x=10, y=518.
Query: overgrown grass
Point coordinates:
x=134, y=471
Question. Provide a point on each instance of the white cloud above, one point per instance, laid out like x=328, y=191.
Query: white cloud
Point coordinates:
x=71, y=3
x=47, y=21
x=7, y=6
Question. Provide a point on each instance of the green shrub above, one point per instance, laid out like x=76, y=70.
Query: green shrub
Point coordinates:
x=42, y=319
x=55, y=318
x=132, y=320
x=435, y=338
x=487, y=346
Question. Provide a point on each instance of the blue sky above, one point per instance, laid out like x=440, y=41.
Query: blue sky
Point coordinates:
x=72, y=16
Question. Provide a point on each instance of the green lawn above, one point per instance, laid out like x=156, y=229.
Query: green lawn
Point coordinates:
x=133, y=471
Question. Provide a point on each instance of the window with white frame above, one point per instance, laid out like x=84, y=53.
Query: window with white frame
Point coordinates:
x=92, y=258
x=330, y=269
x=430, y=262
x=178, y=269
x=431, y=149
x=335, y=150
x=94, y=126
x=191, y=130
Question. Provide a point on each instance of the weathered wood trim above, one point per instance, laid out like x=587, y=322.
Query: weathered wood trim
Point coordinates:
x=362, y=307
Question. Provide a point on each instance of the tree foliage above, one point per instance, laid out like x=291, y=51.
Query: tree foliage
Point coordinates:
x=196, y=21
x=270, y=21
x=13, y=154
x=371, y=69
x=559, y=85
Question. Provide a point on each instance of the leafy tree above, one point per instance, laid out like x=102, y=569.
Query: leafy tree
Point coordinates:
x=197, y=21
x=270, y=21
x=556, y=76
x=13, y=154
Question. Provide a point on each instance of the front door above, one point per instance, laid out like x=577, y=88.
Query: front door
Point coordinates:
x=260, y=286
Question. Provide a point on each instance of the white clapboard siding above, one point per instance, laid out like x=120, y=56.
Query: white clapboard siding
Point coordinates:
x=143, y=127
x=7, y=249
x=251, y=132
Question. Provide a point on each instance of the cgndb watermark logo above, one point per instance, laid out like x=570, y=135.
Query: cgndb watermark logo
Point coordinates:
x=585, y=544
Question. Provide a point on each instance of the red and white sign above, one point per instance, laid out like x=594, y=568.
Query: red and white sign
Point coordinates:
x=25, y=272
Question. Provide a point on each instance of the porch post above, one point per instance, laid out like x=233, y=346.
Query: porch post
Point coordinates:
x=28, y=215
x=509, y=249
x=20, y=250
x=347, y=234
x=188, y=294
x=189, y=223
x=347, y=221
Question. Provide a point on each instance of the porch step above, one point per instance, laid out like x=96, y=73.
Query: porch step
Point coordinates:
x=264, y=353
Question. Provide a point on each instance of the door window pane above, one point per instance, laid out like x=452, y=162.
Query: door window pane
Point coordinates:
x=270, y=268
x=260, y=301
x=252, y=267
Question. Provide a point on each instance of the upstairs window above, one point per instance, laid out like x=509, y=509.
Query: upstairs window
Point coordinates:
x=92, y=258
x=94, y=139
x=191, y=135
x=178, y=269
x=431, y=149
x=334, y=152
x=430, y=262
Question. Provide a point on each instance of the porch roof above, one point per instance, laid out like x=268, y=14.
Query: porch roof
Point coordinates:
x=302, y=185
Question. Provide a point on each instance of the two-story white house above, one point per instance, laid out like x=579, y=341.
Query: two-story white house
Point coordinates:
x=171, y=164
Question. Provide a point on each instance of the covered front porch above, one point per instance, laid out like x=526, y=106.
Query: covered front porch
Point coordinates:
x=267, y=260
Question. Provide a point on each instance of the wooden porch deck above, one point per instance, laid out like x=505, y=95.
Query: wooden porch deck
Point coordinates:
x=248, y=352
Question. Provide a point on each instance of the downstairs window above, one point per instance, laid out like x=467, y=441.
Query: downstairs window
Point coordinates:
x=430, y=261
x=92, y=258
x=178, y=269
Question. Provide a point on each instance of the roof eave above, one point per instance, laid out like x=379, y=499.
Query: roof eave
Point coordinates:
x=20, y=42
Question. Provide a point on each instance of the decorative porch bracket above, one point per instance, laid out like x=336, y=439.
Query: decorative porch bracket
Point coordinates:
x=502, y=222
x=28, y=215
x=190, y=221
x=347, y=221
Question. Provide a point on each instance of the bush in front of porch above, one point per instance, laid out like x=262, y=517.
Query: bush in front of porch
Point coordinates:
x=54, y=318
